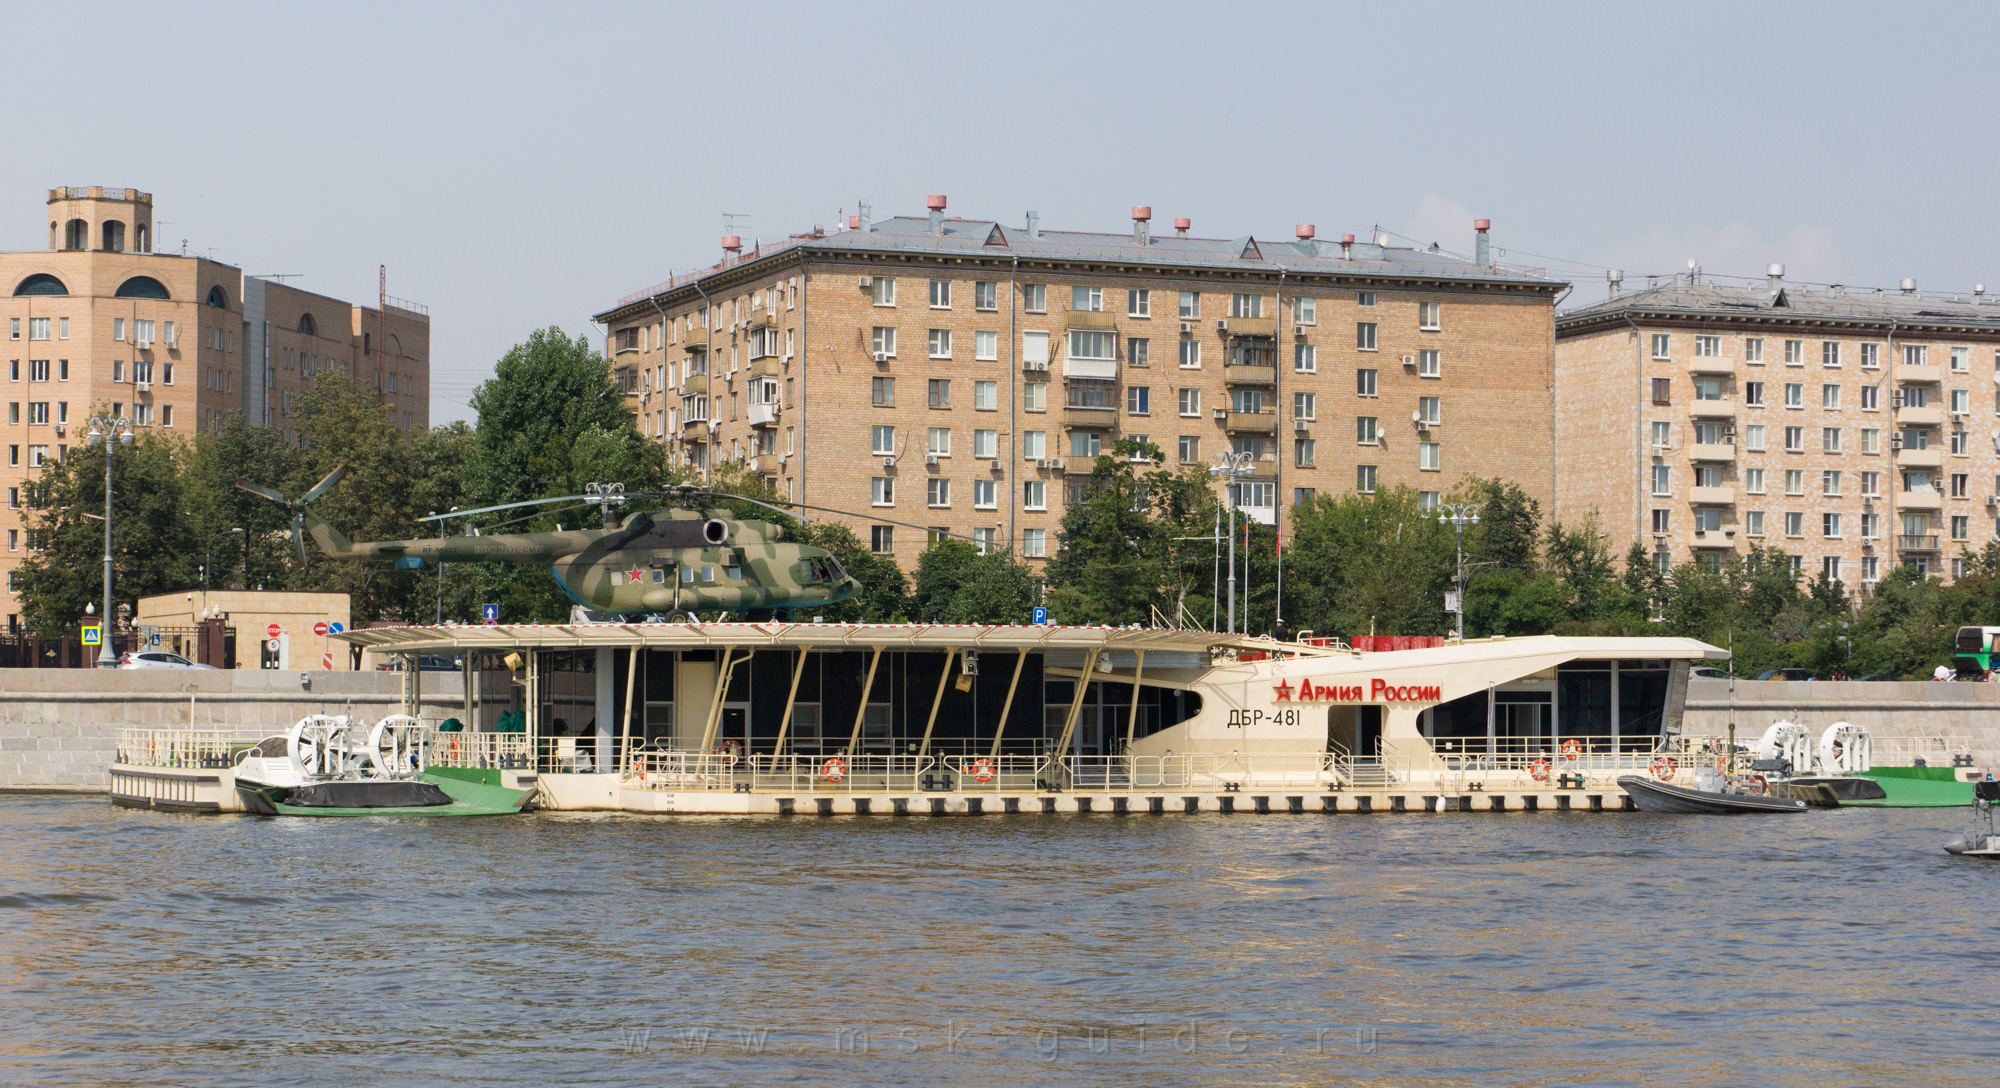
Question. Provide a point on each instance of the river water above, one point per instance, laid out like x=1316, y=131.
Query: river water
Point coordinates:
x=1830, y=948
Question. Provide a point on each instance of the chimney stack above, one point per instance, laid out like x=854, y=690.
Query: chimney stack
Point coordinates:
x=1304, y=231
x=867, y=216
x=1909, y=287
x=1774, y=277
x=732, y=244
x=1141, y=216
x=935, y=203
x=1978, y=290
x=1482, y=253
x=1034, y=225
x=1616, y=279
x=853, y=222
x=1347, y=247
x=1183, y=225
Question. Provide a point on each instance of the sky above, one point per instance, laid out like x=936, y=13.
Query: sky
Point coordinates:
x=518, y=166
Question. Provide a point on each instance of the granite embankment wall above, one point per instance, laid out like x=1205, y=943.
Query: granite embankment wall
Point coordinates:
x=1893, y=713
x=59, y=727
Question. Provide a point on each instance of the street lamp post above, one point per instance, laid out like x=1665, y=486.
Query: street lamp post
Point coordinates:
x=208, y=560
x=111, y=430
x=1458, y=515
x=1231, y=466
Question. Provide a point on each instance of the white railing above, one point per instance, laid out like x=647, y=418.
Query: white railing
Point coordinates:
x=482, y=750
x=189, y=748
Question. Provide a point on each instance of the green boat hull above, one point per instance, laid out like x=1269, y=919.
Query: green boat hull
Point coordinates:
x=470, y=792
x=1917, y=787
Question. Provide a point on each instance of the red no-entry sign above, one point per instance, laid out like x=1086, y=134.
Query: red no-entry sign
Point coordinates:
x=320, y=628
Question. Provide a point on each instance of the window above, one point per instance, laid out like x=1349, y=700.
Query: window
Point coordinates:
x=1661, y=342
x=1871, y=526
x=1663, y=433
x=1303, y=405
x=1959, y=356
x=38, y=456
x=1795, y=523
x=883, y=441
x=882, y=392
x=1138, y=400
x=1302, y=496
x=1829, y=482
x=885, y=291
x=1428, y=365
x=1961, y=401
x=1034, y=445
x=1662, y=521
x=1427, y=456
x=1961, y=528
x=1871, y=398
x=38, y=328
x=1364, y=479
x=1190, y=304
x=1663, y=389
x=13, y=455
x=1138, y=350
x=937, y=492
x=1915, y=396
x=1795, y=353
x=883, y=341
x=1427, y=316
x=1085, y=444
x=1795, y=481
x=1829, y=439
x=983, y=494
x=940, y=294
x=1088, y=299
x=881, y=538
x=1961, y=441
x=13, y=328
x=1795, y=439
x=1753, y=481
x=985, y=346
x=1365, y=432
x=1245, y=304
x=62, y=333
x=1034, y=543
x=1139, y=303
x=1795, y=395
x=1190, y=448
x=1707, y=521
x=1035, y=298
x=118, y=328
x=1190, y=355
x=1034, y=495
x=1304, y=311
x=940, y=392
x=1092, y=393
x=985, y=296
x=1034, y=396
x=1093, y=344
x=985, y=396
x=1829, y=397
x=1364, y=335
x=1707, y=347
x=1430, y=410
x=1829, y=353
x=938, y=441
x=1364, y=383
x=1304, y=359
x=38, y=412
x=1708, y=476
x=940, y=343
x=38, y=370
x=1960, y=483
x=1246, y=400
x=1190, y=402
x=1753, y=394
x=1663, y=480
x=882, y=491
x=1364, y=298
x=1871, y=356
x=1871, y=483
x=1869, y=568
x=166, y=415
x=1302, y=452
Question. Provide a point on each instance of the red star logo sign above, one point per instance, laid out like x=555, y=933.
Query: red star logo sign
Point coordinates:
x=1285, y=691
x=635, y=575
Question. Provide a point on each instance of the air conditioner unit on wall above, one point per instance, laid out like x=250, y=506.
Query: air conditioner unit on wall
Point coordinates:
x=881, y=356
x=1302, y=426
x=1409, y=360
x=1221, y=324
x=931, y=459
x=888, y=462
x=1298, y=330
x=867, y=282
x=1056, y=462
x=1187, y=326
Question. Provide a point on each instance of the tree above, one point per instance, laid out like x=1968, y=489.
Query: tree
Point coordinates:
x=1368, y=564
x=1115, y=561
x=955, y=583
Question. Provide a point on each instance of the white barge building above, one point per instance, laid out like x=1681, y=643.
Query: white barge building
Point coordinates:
x=920, y=719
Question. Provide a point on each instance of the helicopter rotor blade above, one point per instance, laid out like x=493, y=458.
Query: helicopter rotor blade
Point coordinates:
x=325, y=485
x=505, y=506
x=299, y=538
x=259, y=489
x=835, y=510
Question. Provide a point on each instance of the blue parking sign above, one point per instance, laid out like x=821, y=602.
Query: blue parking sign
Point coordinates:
x=490, y=613
x=1041, y=617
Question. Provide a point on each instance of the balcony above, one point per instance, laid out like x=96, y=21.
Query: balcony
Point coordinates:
x=1265, y=422
x=1919, y=417
x=1712, y=496
x=1924, y=542
x=1091, y=319
x=1713, y=451
x=760, y=316
x=1079, y=416
x=1920, y=375
x=1250, y=326
x=1713, y=408
x=1712, y=366
x=1100, y=369
x=1927, y=458
x=767, y=367
x=763, y=415
x=694, y=383
x=769, y=464
x=1919, y=500
x=1714, y=538
x=697, y=340
x=694, y=424
x=1250, y=375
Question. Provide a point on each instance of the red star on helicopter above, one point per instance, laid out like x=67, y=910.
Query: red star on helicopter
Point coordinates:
x=635, y=575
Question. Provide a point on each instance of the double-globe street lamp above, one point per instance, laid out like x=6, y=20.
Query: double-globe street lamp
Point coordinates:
x=1458, y=515
x=110, y=430
x=1232, y=466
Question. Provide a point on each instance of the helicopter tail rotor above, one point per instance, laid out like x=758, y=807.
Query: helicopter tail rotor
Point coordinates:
x=296, y=506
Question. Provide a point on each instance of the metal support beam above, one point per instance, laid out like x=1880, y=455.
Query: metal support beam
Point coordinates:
x=924, y=748
x=723, y=676
x=1000, y=730
x=1076, y=701
x=631, y=683
x=791, y=700
x=860, y=712
x=1132, y=717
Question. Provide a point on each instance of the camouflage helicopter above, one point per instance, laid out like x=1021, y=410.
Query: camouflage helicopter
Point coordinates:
x=674, y=561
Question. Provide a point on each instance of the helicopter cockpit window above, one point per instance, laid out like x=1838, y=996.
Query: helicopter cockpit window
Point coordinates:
x=659, y=575
x=835, y=572
x=687, y=574
x=734, y=574
x=708, y=574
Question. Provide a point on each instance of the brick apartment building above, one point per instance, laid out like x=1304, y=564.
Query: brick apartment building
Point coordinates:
x=1855, y=429
x=963, y=374
x=101, y=323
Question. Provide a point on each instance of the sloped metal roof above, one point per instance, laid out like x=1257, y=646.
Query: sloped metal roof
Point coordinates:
x=1762, y=303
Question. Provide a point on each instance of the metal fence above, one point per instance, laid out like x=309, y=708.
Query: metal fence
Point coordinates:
x=200, y=749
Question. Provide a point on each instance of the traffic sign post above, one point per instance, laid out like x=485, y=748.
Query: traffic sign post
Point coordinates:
x=321, y=628
x=1041, y=617
x=93, y=635
x=490, y=614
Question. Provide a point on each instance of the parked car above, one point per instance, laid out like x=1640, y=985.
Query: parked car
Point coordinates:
x=425, y=663
x=1784, y=674
x=157, y=659
x=1708, y=671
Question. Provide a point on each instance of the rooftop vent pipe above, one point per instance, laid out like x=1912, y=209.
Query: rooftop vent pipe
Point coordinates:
x=1305, y=231
x=1183, y=225
x=732, y=244
x=1141, y=216
x=1909, y=286
x=867, y=216
x=1347, y=247
x=1482, y=254
x=1774, y=276
x=1035, y=225
x=853, y=222
x=1615, y=278
x=935, y=202
x=1978, y=290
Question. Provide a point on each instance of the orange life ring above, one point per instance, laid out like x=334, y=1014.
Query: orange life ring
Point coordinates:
x=1758, y=785
x=732, y=752
x=833, y=770
x=1721, y=764
x=982, y=770
x=1539, y=770
x=1664, y=769
x=1572, y=750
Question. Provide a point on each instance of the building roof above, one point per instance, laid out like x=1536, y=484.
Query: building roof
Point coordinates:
x=819, y=636
x=911, y=237
x=1786, y=303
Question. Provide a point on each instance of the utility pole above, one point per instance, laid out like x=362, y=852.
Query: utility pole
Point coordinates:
x=1230, y=466
x=1458, y=516
x=111, y=430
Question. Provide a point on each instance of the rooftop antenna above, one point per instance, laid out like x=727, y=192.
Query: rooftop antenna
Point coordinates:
x=382, y=341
